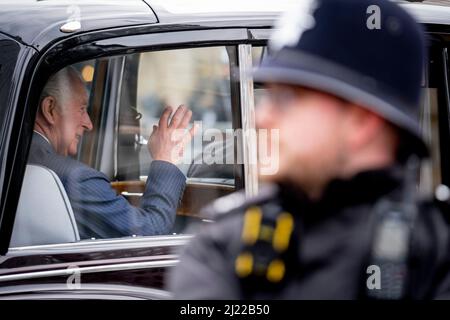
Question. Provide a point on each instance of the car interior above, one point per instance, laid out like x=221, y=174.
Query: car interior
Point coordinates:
x=126, y=96
x=44, y=193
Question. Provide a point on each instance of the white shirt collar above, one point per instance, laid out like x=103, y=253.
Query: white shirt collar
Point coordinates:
x=46, y=139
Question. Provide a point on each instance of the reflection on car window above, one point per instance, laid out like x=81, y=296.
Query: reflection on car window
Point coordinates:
x=258, y=54
x=199, y=78
x=9, y=51
x=430, y=176
x=431, y=173
x=90, y=166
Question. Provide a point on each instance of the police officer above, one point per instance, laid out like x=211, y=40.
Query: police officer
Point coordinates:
x=340, y=219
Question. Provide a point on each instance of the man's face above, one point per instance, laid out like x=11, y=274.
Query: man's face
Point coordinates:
x=71, y=119
x=311, y=135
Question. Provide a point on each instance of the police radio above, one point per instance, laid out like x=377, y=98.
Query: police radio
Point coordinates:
x=394, y=220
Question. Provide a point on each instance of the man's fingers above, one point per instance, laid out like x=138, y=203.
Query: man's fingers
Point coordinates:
x=183, y=142
x=178, y=117
x=155, y=128
x=193, y=131
x=164, y=120
x=184, y=137
x=186, y=118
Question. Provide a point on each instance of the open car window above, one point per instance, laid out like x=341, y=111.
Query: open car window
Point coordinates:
x=64, y=197
x=198, y=78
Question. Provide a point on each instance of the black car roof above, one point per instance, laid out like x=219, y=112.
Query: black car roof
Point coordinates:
x=38, y=22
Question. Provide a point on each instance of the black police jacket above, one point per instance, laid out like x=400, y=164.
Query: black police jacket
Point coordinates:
x=332, y=245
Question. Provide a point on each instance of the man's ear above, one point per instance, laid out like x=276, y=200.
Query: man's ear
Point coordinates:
x=48, y=109
x=365, y=125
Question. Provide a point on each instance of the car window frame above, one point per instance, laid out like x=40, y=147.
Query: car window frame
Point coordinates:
x=54, y=59
x=10, y=147
x=99, y=245
x=114, y=88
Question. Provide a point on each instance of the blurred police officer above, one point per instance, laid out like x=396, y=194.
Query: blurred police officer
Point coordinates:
x=341, y=218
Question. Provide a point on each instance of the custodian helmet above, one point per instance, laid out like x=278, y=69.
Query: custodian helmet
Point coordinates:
x=370, y=52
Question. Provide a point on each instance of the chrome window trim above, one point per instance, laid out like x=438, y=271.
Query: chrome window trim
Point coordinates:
x=163, y=40
x=249, y=141
x=117, y=110
x=209, y=184
x=261, y=34
x=94, y=288
x=89, y=245
x=95, y=269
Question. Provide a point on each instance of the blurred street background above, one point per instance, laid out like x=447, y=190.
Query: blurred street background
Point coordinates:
x=440, y=2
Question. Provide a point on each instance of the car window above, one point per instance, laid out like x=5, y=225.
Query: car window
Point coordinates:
x=268, y=149
x=432, y=168
x=434, y=123
x=90, y=174
x=198, y=78
x=258, y=53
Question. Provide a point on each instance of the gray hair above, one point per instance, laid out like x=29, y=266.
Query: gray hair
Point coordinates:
x=59, y=85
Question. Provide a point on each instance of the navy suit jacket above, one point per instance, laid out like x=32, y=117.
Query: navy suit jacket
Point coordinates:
x=99, y=211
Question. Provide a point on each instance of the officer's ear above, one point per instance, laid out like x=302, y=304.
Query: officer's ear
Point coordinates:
x=48, y=109
x=363, y=126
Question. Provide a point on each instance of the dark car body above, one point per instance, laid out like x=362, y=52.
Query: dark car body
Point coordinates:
x=32, y=47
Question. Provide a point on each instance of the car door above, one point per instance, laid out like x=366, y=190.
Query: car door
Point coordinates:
x=14, y=59
x=117, y=77
x=112, y=67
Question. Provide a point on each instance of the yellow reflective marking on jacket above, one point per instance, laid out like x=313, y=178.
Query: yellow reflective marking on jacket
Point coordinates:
x=275, y=271
x=244, y=264
x=252, y=225
x=283, y=231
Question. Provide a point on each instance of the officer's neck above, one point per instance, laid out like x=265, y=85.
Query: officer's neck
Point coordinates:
x=362, y=188
x=354, y=165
